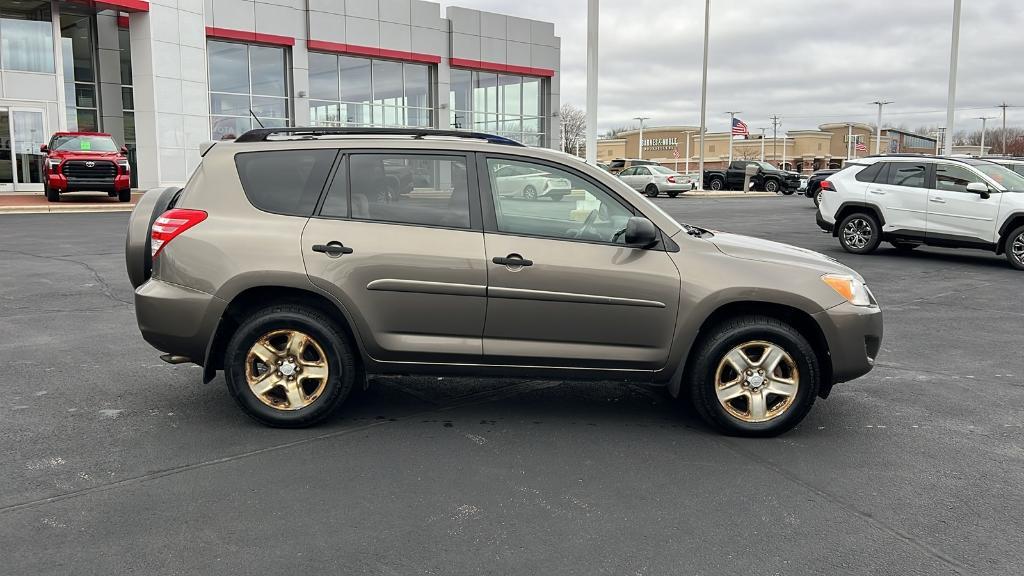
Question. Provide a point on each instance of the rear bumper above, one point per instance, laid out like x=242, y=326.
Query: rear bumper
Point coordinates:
x=62, y=183
x=822, y=223
x=854, y=336
x=176, y=319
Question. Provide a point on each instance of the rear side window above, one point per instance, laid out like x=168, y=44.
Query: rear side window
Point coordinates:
x=284, y=181
x=869, y=174
x=911, y=174
x=409, y=189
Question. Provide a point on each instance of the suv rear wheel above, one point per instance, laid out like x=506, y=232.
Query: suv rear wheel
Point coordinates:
x=717, y=184
x=289, y=366
x=651, y=191
x=753, y=376
x=1015, y=248
x=859, y=233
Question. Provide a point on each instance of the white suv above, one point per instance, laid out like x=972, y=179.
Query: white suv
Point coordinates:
x=913, y=200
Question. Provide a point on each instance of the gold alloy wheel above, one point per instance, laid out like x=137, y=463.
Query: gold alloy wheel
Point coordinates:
x=286, y=369
x=757, y=381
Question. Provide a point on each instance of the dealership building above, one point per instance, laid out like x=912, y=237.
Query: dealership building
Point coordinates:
x=163, y=76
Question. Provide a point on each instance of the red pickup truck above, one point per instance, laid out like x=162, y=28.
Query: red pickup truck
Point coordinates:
x=85, y=161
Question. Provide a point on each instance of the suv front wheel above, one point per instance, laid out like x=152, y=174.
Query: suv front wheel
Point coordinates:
x=859, y=233
x=289, y=366
x=1015, y=248
x=753, y=376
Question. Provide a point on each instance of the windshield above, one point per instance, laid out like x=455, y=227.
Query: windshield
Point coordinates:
x=661, y=170
x=1002, y=175
x=84, y=144
x=765, y=165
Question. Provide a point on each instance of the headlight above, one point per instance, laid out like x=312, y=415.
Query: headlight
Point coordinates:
x=848, y=287
x=124, y=166
x=53, y=165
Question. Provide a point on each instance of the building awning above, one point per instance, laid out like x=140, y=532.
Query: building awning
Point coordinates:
x=122, y=5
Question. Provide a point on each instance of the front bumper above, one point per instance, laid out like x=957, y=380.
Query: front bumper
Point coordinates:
x=62, y=183
x=854, y=336
x=176, y=319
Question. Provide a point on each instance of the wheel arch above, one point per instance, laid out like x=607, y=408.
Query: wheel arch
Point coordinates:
x=850, y=207
x=800, y=319
x=1014, y=220
x=256, y=297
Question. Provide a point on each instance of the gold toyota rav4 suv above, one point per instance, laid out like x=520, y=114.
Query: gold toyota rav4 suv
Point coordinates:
x=299, y=260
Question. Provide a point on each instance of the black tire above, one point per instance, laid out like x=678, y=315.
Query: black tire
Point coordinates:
x=720, y=340
x=556, y=197
x=903, y=246
x=672, y=194
x=1015, y=248
x=530, y=193
x=51, y=194
x=717, y=184
x=651, y=191
x=772, y=186
x=125, y=195
x=342, y=368
x=817, y=198
x=864, y=235
x=788, y=192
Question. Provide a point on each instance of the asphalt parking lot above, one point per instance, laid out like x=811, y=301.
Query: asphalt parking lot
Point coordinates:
x=112, y=462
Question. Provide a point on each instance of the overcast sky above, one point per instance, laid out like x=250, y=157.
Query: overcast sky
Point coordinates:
x=809, y=61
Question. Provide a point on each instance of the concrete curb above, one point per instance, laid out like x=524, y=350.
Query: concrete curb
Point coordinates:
x=730, y=194
x=69, y=209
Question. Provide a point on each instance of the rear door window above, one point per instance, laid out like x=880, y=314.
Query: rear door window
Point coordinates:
x=870, y=174
x=284, y=181
x=910, y=174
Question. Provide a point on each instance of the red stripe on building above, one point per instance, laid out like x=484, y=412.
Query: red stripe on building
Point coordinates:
x=228, y=34
x=498, y=67
x=126, y=5
x=340, y=48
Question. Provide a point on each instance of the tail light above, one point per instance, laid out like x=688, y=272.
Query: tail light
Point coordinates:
x=671, y=179
x=826, y=185
x=170, y=224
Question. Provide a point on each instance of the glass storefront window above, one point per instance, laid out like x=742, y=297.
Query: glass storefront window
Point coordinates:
x=504, y=104
x=26, y=37
x=246, y=78
x=348, y=91
x=77, y=48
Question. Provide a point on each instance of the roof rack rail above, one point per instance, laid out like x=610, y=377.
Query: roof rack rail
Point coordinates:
x=263, y=134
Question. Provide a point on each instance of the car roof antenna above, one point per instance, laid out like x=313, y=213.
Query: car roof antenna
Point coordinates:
x=257, y=118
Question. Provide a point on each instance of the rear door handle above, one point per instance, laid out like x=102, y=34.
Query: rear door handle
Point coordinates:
x=937, y=200
x=332, y=248
x=877, y=191
x=512, y=261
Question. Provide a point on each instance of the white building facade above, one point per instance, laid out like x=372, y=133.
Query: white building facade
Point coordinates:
x=163, y=76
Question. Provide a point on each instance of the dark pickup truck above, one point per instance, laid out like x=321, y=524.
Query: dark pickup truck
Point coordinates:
x=768, y=178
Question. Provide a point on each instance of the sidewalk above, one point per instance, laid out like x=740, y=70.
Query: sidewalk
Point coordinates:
x=35, y=203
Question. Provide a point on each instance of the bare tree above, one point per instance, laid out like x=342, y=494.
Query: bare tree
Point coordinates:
x=574, y=127
x=747, y=153
x=614, y=132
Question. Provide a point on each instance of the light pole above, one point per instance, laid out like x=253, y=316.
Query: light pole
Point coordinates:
x=592, y=29
x=1004, y=106
x=947, y=145
x=687, y=134
x=704, y=94
x=984, y=120
x=849, y=141
x=939, y=140
x=782, y=165
x=763, y=130
x=732, y=118
x=878, y=127
x=640, y=155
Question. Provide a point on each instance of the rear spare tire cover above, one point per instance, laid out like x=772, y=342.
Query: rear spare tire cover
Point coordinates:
x=136, y=246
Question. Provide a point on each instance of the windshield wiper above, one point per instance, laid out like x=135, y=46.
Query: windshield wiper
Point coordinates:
x=695, y=231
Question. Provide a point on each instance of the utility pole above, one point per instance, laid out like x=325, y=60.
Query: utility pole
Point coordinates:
x=782, y=165
x=640, y=154
x=592, y=29
x=762, y=142
x=984, y=119
x=732, y=118
x=775, y=137
x=1004, y=106
x=939, y=139
x=947, y=146
x=704, y=93
x=849, y=141
x=687, y=135
x=878, y=127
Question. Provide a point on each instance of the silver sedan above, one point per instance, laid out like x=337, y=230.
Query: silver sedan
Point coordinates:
x=653, y=180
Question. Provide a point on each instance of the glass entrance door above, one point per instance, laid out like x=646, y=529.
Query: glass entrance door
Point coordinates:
x=28, y=133
x=6, y=165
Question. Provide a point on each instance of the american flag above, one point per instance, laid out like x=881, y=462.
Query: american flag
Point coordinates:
x=861, y=147
x=739, y=128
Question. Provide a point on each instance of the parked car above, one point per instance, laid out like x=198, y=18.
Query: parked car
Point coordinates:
x=813, y=188
x=1015, y=164
x=652, y=180
x=911, y=200
x=278, y=264
x=768, y=178
x=85, y=161
x=529, y=183
x=619, y=164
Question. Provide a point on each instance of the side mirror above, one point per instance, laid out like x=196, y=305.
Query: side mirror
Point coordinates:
x=979, y=188
x=44, y=148
x=640, y=233
x=124, y=150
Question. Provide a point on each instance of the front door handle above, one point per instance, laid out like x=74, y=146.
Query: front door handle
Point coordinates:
x=512, y=261
x=332, y=248
x=877, y=191
x=937, y=200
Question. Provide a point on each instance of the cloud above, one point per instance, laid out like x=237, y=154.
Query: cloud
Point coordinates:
x=810, y=62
